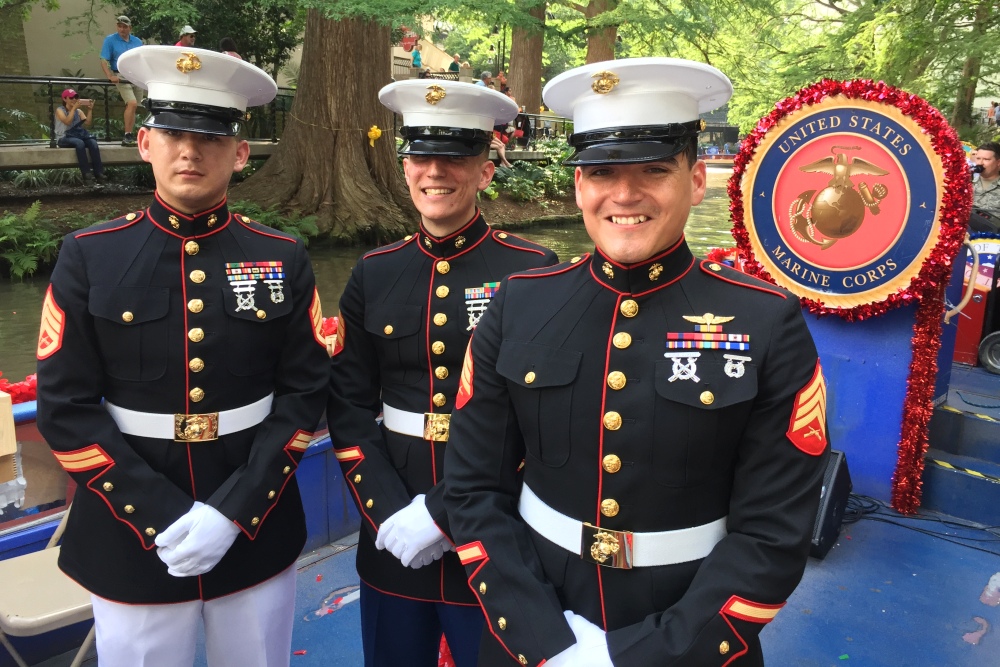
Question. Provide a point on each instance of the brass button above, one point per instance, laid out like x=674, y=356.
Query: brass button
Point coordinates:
x=612, y=421
x=129, y=509
x=357, y=479
x=530, y=377
x=197, y=276
x=127, y=316
x=502, y=623
x=130, y=217
x=254, y=521
x=192, y=247
x=611, y=463
x=197, y=394
x=440, y=319
x=629, y=308
x=174, y=222
x=575, y=260
x=724, y=648
x=108, y=486
x=616, y=380
x=408, y=237
x=443, y=267
x=482, y=588
x=196, y=365
x=441, y=372
x=622, y=340
x=442, y=291
x=286, y=470
x=437, y=347
x=261, y=314
x=501, y=235
x=521, y=659
x=369, y=503
x=716, y=267
x=196, y=305
x=271, y=495
x=151, y=532
x=439, y=400
x=707, y=397
x=196, y=335
x=609, y=507
x=388, y=330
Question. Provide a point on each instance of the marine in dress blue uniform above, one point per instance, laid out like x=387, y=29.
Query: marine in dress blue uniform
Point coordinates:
x=669, y=413
x=405, y=320
x=181, y=374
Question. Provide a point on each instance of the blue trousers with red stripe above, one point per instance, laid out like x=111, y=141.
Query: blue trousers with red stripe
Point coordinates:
x=397, y=631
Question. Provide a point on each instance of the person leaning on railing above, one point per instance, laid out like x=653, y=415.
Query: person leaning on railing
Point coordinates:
x=71, y=132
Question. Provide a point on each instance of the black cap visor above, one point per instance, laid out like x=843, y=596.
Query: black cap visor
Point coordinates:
x=445, y=141
x=631, y=144
x=199, y=118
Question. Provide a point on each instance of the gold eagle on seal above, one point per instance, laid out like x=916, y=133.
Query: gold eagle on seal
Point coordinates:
x=605, y=83
x=188, y=62
x=434, y=94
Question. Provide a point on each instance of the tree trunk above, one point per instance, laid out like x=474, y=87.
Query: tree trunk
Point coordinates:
x=525, y=74
x=600, y=40
x=324, y=164
x=966, y=93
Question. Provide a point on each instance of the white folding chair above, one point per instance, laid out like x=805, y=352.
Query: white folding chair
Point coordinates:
x=37, y=597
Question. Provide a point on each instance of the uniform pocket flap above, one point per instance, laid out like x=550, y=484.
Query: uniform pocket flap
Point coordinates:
x=534, y=365
x=393, y=320
x=710, y=384
x=129, y=305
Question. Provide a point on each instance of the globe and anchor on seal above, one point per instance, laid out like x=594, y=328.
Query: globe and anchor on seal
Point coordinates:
x=823, y=217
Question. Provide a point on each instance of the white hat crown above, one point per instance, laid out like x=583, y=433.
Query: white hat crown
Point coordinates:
x=445, y=103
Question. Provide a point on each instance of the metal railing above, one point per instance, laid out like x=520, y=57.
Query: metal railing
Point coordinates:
x=45, y=96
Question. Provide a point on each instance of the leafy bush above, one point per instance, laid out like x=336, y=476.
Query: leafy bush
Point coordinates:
x=41, y=178
x=302, y=227
x=26, y=243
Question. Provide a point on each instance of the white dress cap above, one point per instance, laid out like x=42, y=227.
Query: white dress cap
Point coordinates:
x=443, y=103
x=636, y=92
x=196, y=76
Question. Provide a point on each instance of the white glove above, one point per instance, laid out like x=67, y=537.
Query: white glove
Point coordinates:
x=409, y=531
x=590, y=649
x=430, y=554
x=196, y=542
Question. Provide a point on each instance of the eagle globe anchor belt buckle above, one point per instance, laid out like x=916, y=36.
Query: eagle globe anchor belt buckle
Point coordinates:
x=433, y=426
x=619, y=549
x=190, y=428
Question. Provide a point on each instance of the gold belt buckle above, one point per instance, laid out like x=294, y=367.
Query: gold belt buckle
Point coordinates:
x=196, y=428
x=436, y=426
x=610, y=548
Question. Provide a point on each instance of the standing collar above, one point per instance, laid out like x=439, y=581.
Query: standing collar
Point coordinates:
x=651, y=274
x=457, y=242
x=180, y=224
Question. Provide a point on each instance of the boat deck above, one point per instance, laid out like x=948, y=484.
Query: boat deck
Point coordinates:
x=892, y=591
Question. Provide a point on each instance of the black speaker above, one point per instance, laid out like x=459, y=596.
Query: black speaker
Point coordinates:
x=832, y=502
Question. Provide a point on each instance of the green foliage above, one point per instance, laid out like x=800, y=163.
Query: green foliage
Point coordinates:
x=11, y=120
x=133, y=175
x=290, y=222
x=26, y=242
x=42, y=178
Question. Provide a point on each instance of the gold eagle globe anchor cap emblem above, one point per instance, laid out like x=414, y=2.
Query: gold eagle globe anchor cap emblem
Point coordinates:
x=605, y=82
x=435, y=94
x=188, y=62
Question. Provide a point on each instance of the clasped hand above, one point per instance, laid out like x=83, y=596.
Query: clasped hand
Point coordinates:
x=412, y=536
x=196, y=542
x=590, y=649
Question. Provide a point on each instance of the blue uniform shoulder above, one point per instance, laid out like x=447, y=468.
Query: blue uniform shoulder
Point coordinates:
x=264, y=230
x=115, y=225
x=518, y=243
x=557, y=269
x=392, y=247
x=728, y=274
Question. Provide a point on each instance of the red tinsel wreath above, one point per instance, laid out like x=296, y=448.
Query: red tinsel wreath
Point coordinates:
x=926, y=289
x=20, y=392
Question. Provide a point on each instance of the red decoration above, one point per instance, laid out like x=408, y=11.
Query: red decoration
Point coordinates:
x=20, y=392
x=926, y=290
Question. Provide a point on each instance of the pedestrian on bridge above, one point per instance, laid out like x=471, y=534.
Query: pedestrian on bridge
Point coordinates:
x=72, y=120
x=116, y=44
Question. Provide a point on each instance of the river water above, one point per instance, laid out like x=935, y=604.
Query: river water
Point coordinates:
x=21, y=302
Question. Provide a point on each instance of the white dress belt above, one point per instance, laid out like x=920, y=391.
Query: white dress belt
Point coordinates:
x=631, y=549
x=427, y=425
x=162, y=425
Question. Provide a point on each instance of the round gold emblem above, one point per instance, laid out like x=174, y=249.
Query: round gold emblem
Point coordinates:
x=616, y=380
x=357, y=479
x=575, y=260
x=286, y=470
x=196, y=305
x=482, y=588
x=388, y=330
x=622, y=340
x=127, y=316
x=439, y=400
x=271, y=495
x=612, y=421
x=261, y=314
x=197, y=394
x=629, y=308
x=443, y=267
x=442, y=291
x=192, y=248
x=108, y=486
x=130, y=217
x=196, y=335
x=530, y=377
x=724, y=648
x=604, y=82
x=609, y=507
x=502, y=623
x=196, y=365
x=707, y=397
x=611, y=463
x=437, y=347
x=254, y=521
x=714, y=267
x=441, y=372
x=370, y=503
x=129, y=509
x=151, y=532
x=440, y=319
x=197, y=276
